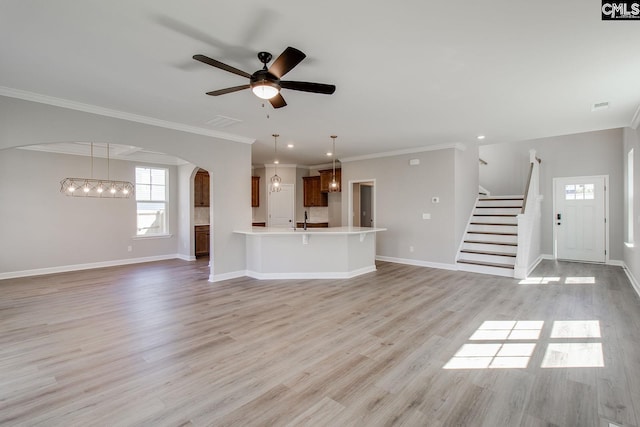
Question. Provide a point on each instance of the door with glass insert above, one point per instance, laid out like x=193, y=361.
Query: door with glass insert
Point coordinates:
x=579, y=218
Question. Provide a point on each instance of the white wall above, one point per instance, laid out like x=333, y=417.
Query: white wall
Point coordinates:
x=404, y=193
x=583, y=154
x=631, y=255
x=466, y=191
x=43, y=228
x=229, y=163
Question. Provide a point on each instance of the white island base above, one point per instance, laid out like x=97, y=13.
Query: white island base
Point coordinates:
x=319, y=253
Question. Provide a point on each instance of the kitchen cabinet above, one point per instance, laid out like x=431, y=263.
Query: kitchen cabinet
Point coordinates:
x=311, y=192
x=255, y=191
x=201, y=189
x=325, y=179
x=202, y=240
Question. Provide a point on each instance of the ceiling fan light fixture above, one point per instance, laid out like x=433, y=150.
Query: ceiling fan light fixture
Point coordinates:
x=265, y=89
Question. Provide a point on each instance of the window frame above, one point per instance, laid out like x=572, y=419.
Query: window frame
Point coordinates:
x=166, y=231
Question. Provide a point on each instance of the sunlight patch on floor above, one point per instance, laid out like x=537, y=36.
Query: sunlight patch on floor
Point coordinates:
x=573, y=355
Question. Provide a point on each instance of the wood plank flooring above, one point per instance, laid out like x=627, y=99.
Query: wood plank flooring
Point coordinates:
x=157, y=345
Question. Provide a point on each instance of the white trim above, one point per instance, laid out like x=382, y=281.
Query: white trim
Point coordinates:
x=635, y=121
x=94, y=109
x=417, y=262
x=227, y=276
x=311, y=275
x=152, y=236
x=547, y=256
x=534, y=265
x=87, y=266
x=374, y=196
x=616, y=262
x=456, y=145
x=632, y=279
x=186, y=257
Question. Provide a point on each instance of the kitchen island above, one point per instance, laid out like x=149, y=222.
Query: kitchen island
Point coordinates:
x=318, y=253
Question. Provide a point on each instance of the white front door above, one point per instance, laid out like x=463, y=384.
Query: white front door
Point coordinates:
x=281, y=207
x=579, y=218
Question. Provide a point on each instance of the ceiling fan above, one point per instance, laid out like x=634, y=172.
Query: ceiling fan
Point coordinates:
x=265, y=83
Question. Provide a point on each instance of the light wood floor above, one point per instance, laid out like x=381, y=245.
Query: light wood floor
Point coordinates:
x=156, y=344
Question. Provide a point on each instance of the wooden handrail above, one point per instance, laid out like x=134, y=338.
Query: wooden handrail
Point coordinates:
x=526, y=190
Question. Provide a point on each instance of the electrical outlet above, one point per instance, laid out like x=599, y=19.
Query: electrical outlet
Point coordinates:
x=129, y=248
x=410, y=248
x=426, y=216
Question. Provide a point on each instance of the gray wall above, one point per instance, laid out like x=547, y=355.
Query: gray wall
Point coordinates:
x=43, y=228
x=631, y=256
x=404, y=193
x=466, y=178
x=229, y=163
x=583, y=154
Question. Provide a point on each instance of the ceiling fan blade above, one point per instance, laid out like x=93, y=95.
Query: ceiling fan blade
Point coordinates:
x=309, y=87
x=227, y=90
x=286, y=61
x=218, y=64
x=278, y=101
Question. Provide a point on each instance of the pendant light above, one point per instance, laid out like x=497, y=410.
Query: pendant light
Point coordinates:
x=275, y=179
x=102, y=188
x=334, y=186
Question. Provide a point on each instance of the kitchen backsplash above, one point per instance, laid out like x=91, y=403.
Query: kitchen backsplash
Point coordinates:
x=201, y=216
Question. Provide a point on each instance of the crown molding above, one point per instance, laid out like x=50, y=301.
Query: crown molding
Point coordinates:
x=455, y=145
x=273, y=165
x=635, y=121
x=101, y=111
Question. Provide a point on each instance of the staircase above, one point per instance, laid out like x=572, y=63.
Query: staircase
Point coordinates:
x=491, y=242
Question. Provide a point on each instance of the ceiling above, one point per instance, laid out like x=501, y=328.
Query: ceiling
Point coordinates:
x=408, y=74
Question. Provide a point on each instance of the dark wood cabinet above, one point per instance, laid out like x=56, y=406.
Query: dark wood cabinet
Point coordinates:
x=313, y=225
x=326, y=177
x=201, y=189
x=311, y=192
x=255, y=191
x=202, y=240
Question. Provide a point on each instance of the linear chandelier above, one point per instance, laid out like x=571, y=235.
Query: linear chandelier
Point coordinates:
x=101, y=188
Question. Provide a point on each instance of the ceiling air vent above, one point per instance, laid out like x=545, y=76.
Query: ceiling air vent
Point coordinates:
x=222, y=122
x=600, y=106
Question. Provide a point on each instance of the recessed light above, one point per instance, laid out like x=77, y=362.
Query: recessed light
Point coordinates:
x=276, y=162
x=480, y=137
x=289, y=145
x=329, y=153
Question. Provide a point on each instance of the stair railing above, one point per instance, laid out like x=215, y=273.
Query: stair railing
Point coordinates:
x=529, y=221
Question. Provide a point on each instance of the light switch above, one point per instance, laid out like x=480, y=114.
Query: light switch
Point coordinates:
x=426, y=216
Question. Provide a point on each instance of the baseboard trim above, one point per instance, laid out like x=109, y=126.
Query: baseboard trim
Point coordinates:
x=535, y=264
x=311, y=275
x=418, y=263
x=87, y=266
x=213, y=278
x=634, y=283
x=186, y=257
x=617, y=263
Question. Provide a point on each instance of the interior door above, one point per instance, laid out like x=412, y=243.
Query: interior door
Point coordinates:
x=579, y=218
x=282, y=207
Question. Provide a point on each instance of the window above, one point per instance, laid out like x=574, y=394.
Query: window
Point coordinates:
x=630, y=197
x=579, y=191
x=151, y=201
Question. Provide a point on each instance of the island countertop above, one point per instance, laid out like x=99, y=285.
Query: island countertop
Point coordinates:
x=314, y=253
x=281, y=231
